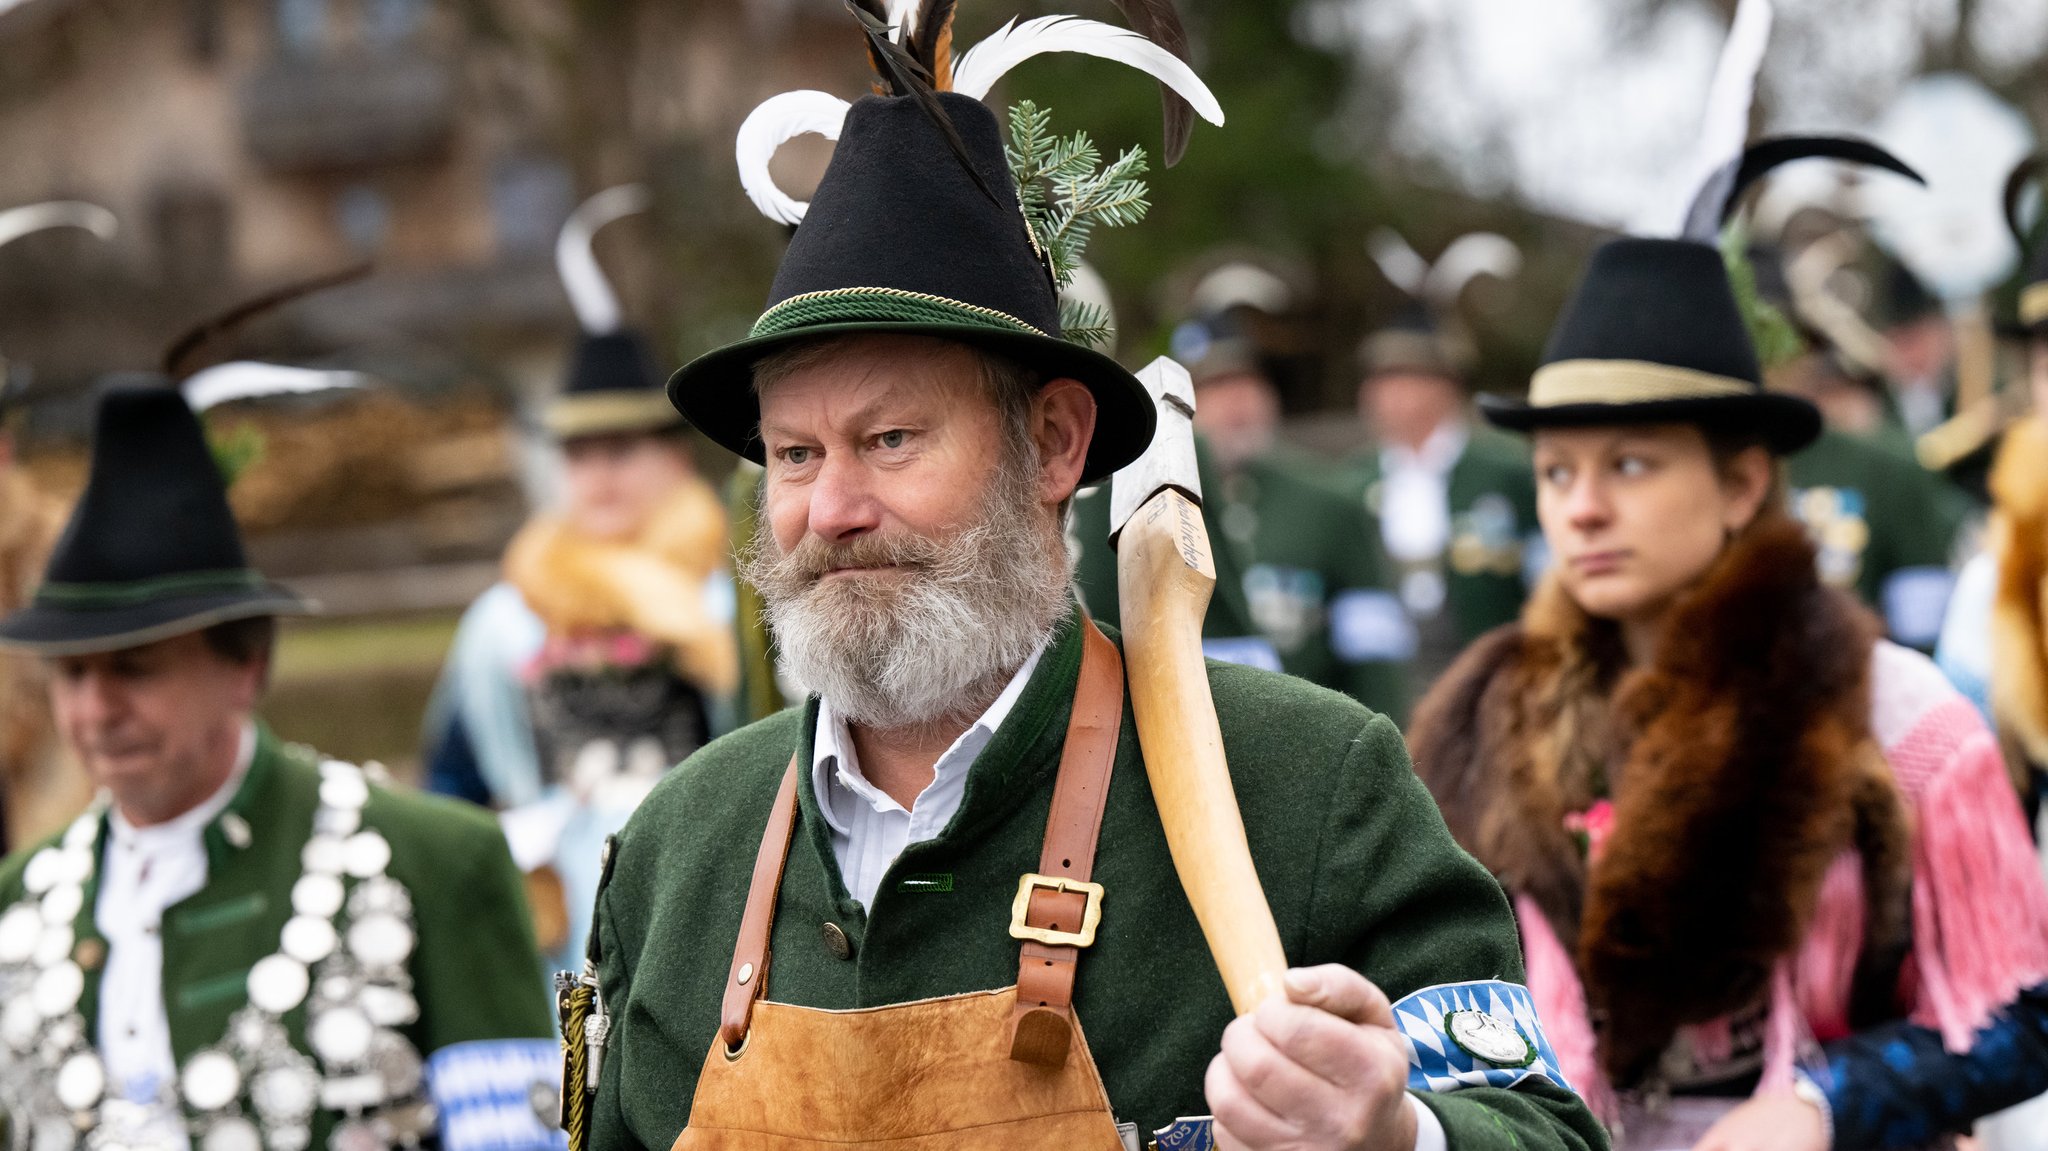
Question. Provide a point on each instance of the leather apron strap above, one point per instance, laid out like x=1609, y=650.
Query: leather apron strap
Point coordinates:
x=1057, y=908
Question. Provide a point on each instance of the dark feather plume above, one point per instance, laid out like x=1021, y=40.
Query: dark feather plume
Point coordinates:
x=904, y=76
x=1723, y=192
x=934, y=47
x=187, y=354
x=2023, y=174
x=1159, y=21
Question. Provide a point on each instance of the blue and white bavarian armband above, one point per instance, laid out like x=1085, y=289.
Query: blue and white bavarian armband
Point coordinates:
x=1482, y=1034
x=498, y=1095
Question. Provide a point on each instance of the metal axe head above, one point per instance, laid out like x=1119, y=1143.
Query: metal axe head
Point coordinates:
x=1169, y=462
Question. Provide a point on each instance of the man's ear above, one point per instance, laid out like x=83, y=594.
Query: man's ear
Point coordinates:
x=1062, y=425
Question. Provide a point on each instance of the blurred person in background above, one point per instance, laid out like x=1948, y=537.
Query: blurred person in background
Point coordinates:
x=1883, y=526
x=1313, y=580
x=1773, y=884
x=41, y=786
x=1451, y=502
x=1921, y=346
x=606, y=656
x=1994, y=642
x=1226, y=298
x=246, y=944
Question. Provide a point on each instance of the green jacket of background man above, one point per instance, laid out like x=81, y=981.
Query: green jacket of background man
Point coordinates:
x=1493, y=526
x=1354, y=858
x=1294, y=567
x=1885, y=528
x=1315, y=580
x=475, y=967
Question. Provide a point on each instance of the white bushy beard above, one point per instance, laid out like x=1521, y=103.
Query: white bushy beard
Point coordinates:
x=935, y=641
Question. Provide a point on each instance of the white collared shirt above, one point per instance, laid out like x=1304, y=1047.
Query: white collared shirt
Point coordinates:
x=1415, y=493
x=144, y=871
x=869, y=829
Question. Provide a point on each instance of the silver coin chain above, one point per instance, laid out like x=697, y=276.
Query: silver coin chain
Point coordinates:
x=343, y=954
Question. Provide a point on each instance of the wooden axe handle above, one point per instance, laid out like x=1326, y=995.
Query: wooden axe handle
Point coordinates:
x=1165, y=576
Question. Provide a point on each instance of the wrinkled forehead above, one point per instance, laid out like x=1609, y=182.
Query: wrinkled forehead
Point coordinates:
x=843, y=377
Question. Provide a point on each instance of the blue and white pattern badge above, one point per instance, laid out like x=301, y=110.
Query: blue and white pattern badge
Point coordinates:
x=1482, y=1034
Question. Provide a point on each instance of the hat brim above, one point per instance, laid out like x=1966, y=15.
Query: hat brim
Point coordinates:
x=715, y=392
x=48, y=630
x=1785, y=423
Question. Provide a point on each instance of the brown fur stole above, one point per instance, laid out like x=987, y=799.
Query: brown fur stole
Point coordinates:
x=2019, y=538
x=652, y=584
x=1740, y=764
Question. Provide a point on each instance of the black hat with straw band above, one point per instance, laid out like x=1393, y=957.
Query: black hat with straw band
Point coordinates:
x=1654, y=333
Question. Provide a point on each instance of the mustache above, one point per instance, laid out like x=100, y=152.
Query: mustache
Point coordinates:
x=814, y=558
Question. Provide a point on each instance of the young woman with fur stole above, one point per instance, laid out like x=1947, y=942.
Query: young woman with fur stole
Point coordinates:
x=1774, y=888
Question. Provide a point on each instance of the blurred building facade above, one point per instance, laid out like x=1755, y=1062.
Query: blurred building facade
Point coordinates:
x=244, y=143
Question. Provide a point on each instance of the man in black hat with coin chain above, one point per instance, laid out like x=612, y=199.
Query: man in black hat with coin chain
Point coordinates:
x=241, y=945
x=887, y=918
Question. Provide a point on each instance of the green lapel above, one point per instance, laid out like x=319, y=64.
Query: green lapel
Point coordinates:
x=212, y=938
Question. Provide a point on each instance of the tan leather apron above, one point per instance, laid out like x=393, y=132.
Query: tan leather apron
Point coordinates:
x=1006, y=1068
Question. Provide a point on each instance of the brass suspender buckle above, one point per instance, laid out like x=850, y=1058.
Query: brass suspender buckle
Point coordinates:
x=1091, y=916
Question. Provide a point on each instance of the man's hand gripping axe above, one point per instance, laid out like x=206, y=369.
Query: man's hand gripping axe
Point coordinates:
x=1165, y=576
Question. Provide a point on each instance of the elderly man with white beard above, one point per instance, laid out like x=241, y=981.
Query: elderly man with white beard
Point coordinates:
x=934, y=906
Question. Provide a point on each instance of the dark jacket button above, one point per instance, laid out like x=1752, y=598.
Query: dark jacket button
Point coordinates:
x=836, y=941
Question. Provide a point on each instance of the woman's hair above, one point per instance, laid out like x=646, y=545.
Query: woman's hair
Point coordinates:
x=1726, y=444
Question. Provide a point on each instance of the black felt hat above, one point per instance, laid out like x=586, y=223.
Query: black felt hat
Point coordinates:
x=1653, y=335
x=900, y=238
x=152, y=550
x=613, y=387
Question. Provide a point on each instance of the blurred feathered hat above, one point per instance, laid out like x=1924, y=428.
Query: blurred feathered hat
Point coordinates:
x=27, y=219
x=1654, y=332
x=924, y=225
x=2033, y=299
x=613, y=384
x=1425, y=335
x=152, y=550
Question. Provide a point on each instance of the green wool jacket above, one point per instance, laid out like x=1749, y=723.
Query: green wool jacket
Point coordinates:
x=1885, y=528
x=1354, y=858
x=475, y=967
x=1493, y=521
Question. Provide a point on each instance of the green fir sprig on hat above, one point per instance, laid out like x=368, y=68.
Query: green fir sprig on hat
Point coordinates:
x=236, y=450
x=1777, y=340
x=1067, y=192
